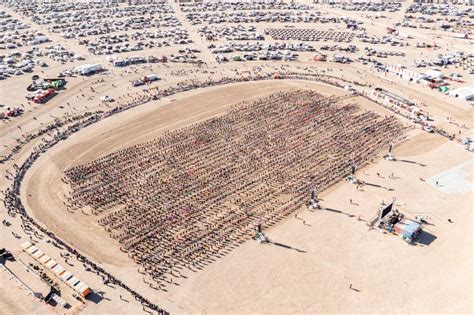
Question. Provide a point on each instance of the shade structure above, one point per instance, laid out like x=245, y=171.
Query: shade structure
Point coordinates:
x=56, y=268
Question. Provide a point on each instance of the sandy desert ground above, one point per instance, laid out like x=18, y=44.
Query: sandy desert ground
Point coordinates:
x=332, y=261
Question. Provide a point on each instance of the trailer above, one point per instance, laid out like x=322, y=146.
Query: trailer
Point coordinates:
x=120, y=63
x=88, y=69
x=44, y=96
x=151, y=77
x=11, y=112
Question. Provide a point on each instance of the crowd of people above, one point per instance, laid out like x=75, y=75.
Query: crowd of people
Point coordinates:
x=14, y=205
x=155, y=94
x=204, y=244
x=179, y=200
x=64, y=127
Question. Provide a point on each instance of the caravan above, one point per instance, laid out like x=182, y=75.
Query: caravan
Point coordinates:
x=88, y=69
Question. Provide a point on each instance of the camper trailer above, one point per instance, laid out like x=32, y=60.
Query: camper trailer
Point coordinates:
x=151, y=77
x=39, y=40
x=88, y=69
x=44, y=96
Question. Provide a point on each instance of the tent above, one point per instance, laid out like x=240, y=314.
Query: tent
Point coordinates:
x=434, y=74
x=444, y=89
x=465, y=93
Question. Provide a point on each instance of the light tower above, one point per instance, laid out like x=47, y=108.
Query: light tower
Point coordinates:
x=314, y=201
x=389, y=156
x=352, y=178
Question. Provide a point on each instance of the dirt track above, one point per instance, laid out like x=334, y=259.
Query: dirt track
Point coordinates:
x=339, y=249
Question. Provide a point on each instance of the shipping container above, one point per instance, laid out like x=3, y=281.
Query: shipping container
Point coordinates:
x=85, y=292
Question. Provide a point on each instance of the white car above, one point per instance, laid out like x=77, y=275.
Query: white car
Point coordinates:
x=106, y=98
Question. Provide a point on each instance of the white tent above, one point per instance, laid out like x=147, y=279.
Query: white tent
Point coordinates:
x=434, y=74
x=465, y=93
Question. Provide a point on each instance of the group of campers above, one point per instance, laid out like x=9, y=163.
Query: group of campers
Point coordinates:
x=177, y=201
